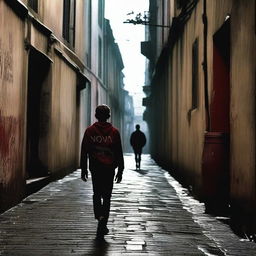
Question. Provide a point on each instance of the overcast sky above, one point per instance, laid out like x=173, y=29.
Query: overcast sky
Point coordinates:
x=128, y=37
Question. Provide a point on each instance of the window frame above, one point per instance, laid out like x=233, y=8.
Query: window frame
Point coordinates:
x=33, y=4
x=100, y=62
x=195, y=75
x=69, y=21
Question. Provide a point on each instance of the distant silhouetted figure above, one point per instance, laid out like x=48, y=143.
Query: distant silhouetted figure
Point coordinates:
x=102, y=143
x=138, y=141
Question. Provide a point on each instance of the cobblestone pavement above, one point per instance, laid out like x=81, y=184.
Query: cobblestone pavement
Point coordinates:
x=151, y=214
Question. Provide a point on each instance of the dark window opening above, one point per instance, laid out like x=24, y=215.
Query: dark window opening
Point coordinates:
x=33, y=4
x=182, y=3
x=88, y=32
x=69, y=8
x=195, y=75
x=38, y=99
x=100, y=59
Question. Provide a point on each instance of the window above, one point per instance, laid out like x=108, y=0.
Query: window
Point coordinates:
x=100, y=58
x=69, y=8
x=195, y=75
x=100, y=12
x=182, y=3
x=33, y=4
x=88, y=33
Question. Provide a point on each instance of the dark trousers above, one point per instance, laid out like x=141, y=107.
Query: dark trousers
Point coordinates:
x=137, y=152
x=102, y=181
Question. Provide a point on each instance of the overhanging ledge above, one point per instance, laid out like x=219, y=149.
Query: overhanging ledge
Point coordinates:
x=18, y=7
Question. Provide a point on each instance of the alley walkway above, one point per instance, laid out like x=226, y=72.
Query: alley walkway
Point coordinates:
x=151, y=214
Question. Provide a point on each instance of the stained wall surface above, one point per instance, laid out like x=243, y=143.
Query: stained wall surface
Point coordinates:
x=12, y=107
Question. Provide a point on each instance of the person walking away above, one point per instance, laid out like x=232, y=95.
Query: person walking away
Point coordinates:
x=102, y=143
x=138, y=141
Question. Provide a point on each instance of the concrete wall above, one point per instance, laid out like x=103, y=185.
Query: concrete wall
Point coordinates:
x=178, y=130
x=113, y=78
x=63, y=123
x=60, y=93
x=192, y=120
x=97, y=85
x=40, y=82
x=243, y=104
x=45, y=105
x=47, y=12
x=242, y=98
x=12, y=106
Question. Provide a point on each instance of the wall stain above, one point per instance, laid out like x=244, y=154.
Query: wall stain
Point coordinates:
x=6, y=61
x=9, y=146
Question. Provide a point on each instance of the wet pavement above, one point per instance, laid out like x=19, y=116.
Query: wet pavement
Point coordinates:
x=151, y=214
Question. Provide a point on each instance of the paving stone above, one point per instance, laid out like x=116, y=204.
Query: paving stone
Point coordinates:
x=151, y=214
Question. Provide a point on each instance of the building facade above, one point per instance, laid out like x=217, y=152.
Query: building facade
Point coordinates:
x=41, y=76
x=202, y=79
x=113, y=77
x=128, y=122
x=51, y=80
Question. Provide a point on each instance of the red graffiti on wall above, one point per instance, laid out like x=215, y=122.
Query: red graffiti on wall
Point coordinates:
x=9, y=138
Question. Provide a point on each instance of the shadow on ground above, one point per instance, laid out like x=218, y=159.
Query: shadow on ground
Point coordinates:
x=141, y=171
x=100, y=247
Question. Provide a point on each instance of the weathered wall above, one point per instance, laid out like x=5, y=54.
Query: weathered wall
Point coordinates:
x=98, y=88
x=113, y=66
x=243, y=103
x=177, y=129
x=40, y=82
x=41, y=103
x=62, y=153
x=12, y=108
x=47, y=13
x=242, y=98
x=85, y=110
x=80, y=36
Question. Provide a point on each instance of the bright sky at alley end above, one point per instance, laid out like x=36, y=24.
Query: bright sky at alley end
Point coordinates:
x=128, y=38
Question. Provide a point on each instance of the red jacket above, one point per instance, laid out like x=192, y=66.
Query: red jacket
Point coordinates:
x=102, y=143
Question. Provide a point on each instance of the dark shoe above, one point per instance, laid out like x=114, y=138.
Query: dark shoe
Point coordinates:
x=102, y=229
x=105, y=230
x=99, y=237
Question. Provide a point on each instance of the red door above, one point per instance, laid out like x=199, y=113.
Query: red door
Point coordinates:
x=215, y=164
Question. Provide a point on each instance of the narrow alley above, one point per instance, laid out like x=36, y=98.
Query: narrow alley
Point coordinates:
x=183, y=70
x=151, y=214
